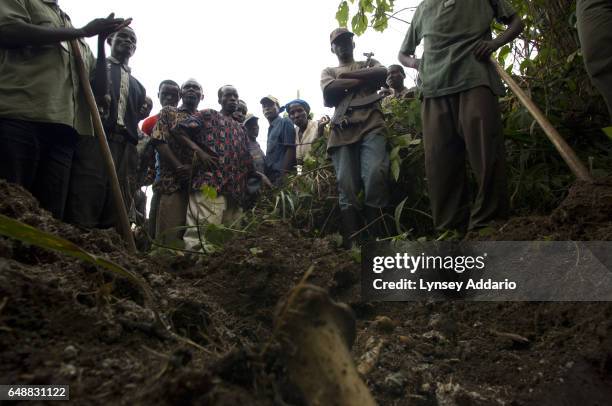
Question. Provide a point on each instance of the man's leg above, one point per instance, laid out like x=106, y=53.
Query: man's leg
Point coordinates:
x=88, y=192
x=347, y=166
x=480, y=120
x=123, y=154
x=595, y=32
x=232, y=212
x=153, y=214
x=58, y=144
x=20, y=152
x=445, y=163
x=171, y=215
x=375, y=178
x=202, y=210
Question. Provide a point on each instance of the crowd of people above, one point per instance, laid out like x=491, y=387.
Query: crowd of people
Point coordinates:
x=205, y=165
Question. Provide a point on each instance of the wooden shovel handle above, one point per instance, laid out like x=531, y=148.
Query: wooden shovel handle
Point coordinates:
x=567, y=153
x=123, y=222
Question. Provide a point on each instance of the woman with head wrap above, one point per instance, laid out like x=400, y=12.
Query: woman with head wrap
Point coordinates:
x=307, y=130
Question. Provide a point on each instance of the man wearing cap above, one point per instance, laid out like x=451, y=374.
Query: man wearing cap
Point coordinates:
x=43, y=109
x=280, y=150
x=460, y=112
x=357, y=144
x=306, y=130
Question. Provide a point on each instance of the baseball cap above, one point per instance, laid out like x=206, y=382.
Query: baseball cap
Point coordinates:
x=337, y=33
x=270, y=98
x=249, y=117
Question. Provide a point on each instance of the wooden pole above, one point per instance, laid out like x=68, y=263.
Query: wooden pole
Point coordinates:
x=567, y=153
x=123, y=222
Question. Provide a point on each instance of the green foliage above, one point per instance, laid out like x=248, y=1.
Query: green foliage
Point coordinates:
x=342, y=14
x=209, y=192
x=27, y=234
x=369, y=13
x=409, y=191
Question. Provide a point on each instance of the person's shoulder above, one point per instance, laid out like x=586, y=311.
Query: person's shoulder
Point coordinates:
x=422, y=5
x=140, y=85
x=148, y=124
x=168, y=111
x=287, y=122
x=418, y=12
x=329, y=71
x=209, y=113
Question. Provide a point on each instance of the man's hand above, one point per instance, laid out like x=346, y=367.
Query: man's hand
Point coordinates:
x=104, y=26
x=207, y=160
x=323, y=121
x=183, y=172
x=409, y=61
x=484, y=49
x=385, y=91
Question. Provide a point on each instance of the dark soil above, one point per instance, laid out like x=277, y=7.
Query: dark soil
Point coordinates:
x=63, y=321
x=584, y=215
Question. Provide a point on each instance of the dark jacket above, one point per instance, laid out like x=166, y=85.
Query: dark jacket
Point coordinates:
x=136, y=98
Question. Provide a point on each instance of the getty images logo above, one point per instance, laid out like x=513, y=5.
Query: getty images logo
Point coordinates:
x=411, y=263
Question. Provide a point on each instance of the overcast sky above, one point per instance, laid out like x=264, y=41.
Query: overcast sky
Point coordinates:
x=261, y=47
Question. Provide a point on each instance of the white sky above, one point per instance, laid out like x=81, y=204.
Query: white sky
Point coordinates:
x=261, y=47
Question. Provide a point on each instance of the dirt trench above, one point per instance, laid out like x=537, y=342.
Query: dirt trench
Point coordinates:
x=63, y=321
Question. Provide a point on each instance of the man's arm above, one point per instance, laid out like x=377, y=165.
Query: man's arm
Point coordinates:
x=375, y=76
x=101, y=81
x=166, y=155
x=20, y=34
x=288, y=139
x=347, y=81
x=406, y=55
x=484, y=49
x=338, y=88
x=289, y=159
x=159, y=137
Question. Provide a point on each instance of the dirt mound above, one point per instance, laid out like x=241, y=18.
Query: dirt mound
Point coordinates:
x=63, y=321
x=584, y=215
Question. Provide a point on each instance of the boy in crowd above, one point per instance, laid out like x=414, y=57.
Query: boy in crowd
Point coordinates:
x=176, y=164
x=241, y=111
x=251, y=125
x=169, y=94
